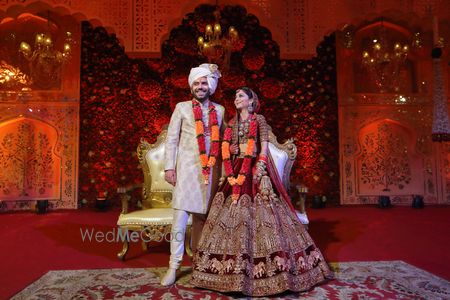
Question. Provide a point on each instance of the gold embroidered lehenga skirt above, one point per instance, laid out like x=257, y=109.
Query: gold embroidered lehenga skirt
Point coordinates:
x=257, y=247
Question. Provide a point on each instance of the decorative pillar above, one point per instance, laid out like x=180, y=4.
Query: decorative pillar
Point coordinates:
x=441, y=124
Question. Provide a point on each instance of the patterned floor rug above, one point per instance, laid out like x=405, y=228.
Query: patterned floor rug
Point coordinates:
x=354, y=280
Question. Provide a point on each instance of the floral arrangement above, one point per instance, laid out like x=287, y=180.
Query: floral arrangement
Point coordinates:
x=124, y=99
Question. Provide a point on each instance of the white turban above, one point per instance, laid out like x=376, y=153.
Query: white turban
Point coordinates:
x=211, y=71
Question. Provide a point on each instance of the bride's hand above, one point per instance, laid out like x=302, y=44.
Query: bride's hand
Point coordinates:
x=234, y=149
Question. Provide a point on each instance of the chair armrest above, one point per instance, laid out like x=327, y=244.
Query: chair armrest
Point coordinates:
x=124, y=195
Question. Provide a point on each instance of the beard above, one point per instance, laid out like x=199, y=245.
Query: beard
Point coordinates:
x=202, y=98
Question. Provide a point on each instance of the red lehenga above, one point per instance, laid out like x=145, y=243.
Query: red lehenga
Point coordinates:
x=257, y=247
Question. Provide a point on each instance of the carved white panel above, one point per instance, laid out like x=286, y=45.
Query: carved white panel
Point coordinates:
x=63, y=118
x=155, y=24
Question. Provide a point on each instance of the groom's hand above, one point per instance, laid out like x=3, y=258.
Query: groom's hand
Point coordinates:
x=171, y=177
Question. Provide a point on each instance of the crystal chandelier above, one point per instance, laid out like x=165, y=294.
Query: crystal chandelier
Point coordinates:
x=43, y=44
x=216, y=45
x=12, y=77
x=44, y=60
x=383, y=59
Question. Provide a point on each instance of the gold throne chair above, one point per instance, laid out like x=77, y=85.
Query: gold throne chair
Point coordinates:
x=154, y=220
x=283, y=156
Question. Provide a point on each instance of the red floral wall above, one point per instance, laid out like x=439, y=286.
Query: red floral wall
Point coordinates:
x=123, y=99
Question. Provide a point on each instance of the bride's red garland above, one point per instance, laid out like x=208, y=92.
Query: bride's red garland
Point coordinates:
x=206, y=162
x=237, y=182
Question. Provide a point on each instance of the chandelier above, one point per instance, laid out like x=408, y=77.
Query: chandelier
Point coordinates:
x=383, y=59
x=12, y=77
x=44, y=60
x=216, y=45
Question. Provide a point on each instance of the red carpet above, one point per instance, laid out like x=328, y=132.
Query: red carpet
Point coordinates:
x=34, y=244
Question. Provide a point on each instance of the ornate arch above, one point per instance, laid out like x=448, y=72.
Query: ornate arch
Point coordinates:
x=141, y=26
x=14, y=9
x=30, y=159
x=387, y=160
x=251, y=8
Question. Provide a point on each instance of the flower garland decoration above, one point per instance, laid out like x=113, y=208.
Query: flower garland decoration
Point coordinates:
x=237, y=182
x=206, y=162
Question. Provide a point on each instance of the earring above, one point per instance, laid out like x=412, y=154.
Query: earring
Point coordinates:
x=250, y=108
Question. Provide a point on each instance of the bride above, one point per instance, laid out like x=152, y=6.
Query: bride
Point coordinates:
x=252, y=241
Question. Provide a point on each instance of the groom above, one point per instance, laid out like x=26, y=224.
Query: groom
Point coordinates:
x=191, y=151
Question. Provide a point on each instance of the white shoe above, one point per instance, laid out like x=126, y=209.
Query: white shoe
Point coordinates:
x=170, y=277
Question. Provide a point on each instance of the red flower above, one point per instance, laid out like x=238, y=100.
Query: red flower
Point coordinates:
x=271, y=88
x=185, y=44
x=149, y=90
x=238, y=45
x=197, y=112
x=227, y=134
x=201, y=142
x=179, y=80
x=233, y=80
x=246, y=165
x=215, y=147
x=228, y=167
x=253, y=59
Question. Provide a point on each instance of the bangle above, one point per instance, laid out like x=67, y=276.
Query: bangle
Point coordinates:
x=261, y=165
x=262, y=158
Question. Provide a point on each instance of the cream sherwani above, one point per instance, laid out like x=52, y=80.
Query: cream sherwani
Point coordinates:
x=182, y=154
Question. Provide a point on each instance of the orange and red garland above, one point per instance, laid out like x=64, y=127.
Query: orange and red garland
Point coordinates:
x=206, y=162
x=237, y=182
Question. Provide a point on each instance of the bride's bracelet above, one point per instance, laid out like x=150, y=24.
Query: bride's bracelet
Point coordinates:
x=260, y=165
x=262, y=158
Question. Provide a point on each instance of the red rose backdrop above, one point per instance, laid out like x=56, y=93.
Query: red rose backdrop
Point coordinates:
x=123, y=99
